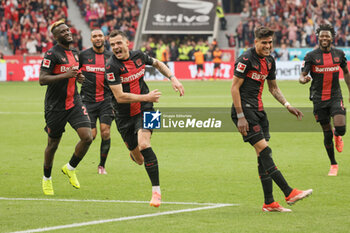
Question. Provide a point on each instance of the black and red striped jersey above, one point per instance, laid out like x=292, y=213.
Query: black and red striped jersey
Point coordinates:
x=61, y=95
x=254, y=70
x=324, y=69
x=95, y=87
x=130, y=74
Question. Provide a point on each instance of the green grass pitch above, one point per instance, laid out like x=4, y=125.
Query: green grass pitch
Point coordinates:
x=194, y=168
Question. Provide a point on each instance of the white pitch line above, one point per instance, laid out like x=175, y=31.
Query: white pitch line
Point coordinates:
x=122, y=219
x=110, y=201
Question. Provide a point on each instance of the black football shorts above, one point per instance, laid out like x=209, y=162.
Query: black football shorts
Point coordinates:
x=324, y=110
x=56, y=121
x=128, y=128
x=102, y=110
x=258, y=125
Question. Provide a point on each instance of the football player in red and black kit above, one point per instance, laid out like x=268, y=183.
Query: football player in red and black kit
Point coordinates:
x=95, y=92
x=251, y=70
x=124, y=72
x=59, y=71
x=324, y=64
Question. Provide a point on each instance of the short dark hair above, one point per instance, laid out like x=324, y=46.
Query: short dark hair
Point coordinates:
x=115, y=33
x=325, y=27
x=263, y=32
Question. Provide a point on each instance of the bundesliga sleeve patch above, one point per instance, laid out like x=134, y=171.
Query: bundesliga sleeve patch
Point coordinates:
x=241, y=67
x=46, y=63
x=110, y=77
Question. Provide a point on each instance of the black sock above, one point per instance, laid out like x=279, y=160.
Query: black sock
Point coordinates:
x=104, y=149
x=74, y=161
x=328, y=144
x=271, y=169
x=151, y=165
x=47, y=171
x=266, y=182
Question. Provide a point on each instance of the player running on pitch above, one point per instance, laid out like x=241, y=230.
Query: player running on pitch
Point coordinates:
x=59, y=71
x=96, y=94
x=323, y=64
x=251, y=70
x=124, y=72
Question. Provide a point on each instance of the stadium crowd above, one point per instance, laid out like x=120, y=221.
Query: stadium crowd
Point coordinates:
x=294, y=21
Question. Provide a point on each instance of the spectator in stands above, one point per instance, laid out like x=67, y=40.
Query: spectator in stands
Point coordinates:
x=2, y=60
x=220, y=14
x=174, y=51
x=31, y=45
x=283, y=53
x=231, y=40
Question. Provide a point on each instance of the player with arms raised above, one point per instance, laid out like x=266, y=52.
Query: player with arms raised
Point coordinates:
x=124, y=72
x=251, y=70
x=323, y=64
x=59, y=71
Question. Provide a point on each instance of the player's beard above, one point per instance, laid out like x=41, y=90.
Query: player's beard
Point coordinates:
x=98, y=46
x=328, y=44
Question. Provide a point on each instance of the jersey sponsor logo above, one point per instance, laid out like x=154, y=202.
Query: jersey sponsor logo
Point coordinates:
x=107, y=67
x=269, y=66
x=318, y=60
x=63, y=59
x=110, y=77
x=46, y=63
x=257, y=76
x=245, y=58
x=241, y=67
x=65, y=69
x=122, y=69
x=90, y=60
x=49, y=53
x=256, y=67
x=133, y=77
x=319, y=69
x=336, y=59
x=95, y=69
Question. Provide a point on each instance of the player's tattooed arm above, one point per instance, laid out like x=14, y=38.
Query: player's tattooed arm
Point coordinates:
x=125, y=97
x=177, y=86
x=277, y=93
x=242, y=123
x=347, y=78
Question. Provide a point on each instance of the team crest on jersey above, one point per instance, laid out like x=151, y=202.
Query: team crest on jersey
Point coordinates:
x=138, y=62
x=110, y=77
x=241, y=67
x=46, y=63
x=269, y=66
x=336, y=59
x=63, y=59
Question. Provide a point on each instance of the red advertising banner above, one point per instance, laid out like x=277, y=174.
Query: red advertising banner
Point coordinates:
x=23, y=72
x=188, y=70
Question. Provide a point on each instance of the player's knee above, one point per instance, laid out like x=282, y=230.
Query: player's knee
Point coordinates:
x=328, y=137
x=87, y=139
x=267, y=161
x=144, y=145
x=340, y=130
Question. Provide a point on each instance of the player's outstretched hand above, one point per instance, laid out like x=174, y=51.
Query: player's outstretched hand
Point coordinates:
x=305, y=79
x=80, y=78
x=295, y=112
x=153, y=96
x=243, y=126
x=177, y=86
